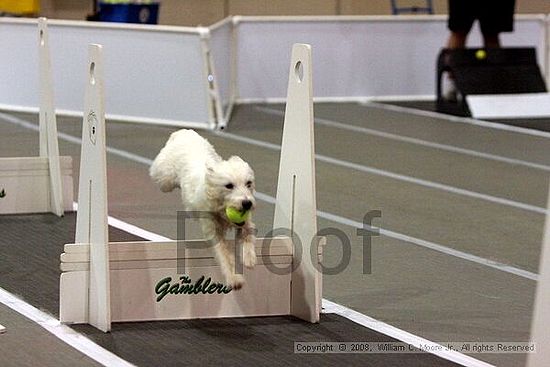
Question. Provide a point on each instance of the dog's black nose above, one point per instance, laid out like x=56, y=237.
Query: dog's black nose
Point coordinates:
x=247, y=204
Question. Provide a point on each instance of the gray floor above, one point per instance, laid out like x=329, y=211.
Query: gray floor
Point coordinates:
x=26, y=344
x=32, y=272
x=434, y=200
x=542, y=124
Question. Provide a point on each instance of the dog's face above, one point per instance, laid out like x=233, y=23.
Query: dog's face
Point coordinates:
x=231, y=184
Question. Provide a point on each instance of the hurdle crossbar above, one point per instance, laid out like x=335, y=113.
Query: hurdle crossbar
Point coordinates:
x=104, y=282
x=43, y=183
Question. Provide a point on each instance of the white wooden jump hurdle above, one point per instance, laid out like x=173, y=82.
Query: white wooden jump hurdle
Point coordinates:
x=541, y=318
x=104, y=282
x=44, y=183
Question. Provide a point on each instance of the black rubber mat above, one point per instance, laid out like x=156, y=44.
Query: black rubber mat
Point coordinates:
x=30, y=246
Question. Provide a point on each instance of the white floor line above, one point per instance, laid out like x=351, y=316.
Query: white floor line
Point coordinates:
x=335, y=218
x=322, y=158
x=420, y=142
x=419, y=242
x=396, y=176
x=130, y=228
x=73, y=139
x=65, y=333
x=462, y=120
x=357, y=317
x=401, y=335
x=140, y=232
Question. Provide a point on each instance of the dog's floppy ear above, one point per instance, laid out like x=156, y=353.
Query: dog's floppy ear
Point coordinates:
x=209, y=168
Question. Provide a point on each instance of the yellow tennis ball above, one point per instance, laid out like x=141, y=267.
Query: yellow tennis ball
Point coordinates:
x=481, y=54
x=236, y=216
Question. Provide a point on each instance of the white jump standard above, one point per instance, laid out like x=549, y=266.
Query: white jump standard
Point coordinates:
x=104, y=282
x=44, y=183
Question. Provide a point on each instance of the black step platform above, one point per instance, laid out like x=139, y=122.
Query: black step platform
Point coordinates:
x=30, y=246
x=487, y=71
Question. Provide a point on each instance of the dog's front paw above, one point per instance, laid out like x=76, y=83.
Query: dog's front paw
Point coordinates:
x=236, y=281
x=249, y=257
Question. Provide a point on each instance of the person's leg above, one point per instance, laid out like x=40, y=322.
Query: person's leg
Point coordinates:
x=461, y=19
x=457, y=39
x=496, y=17
x=491, y=40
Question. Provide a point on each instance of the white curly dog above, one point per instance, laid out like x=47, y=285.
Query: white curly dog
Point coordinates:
x=210, y=184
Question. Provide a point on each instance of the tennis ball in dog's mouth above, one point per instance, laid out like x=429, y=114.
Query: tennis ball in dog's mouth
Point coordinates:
x=237, y=216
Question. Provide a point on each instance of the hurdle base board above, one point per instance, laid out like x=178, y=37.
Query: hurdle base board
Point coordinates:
x=508, y=106
x=2, y=329
x=25, y=182
x=136, y=268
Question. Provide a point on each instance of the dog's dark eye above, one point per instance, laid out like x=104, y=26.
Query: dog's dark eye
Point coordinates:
x=248, y=184
x=229, y=186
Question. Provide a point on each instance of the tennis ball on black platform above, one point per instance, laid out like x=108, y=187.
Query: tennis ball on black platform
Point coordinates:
x=481, y=54
x=237, y=216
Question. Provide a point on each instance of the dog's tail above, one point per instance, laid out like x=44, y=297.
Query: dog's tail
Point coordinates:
x=164, y=172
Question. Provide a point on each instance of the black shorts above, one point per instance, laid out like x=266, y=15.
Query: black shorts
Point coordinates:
x=494, y=16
